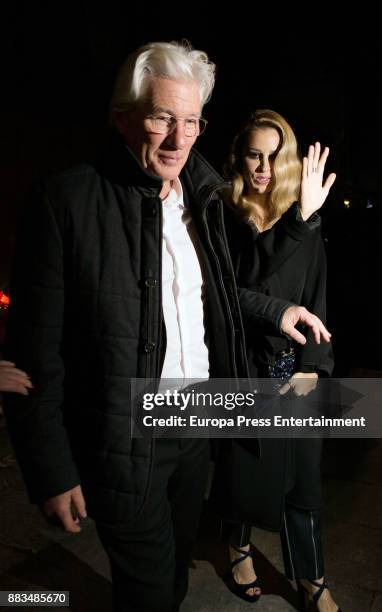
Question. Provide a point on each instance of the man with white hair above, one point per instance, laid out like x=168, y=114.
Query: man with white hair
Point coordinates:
x=123, y=272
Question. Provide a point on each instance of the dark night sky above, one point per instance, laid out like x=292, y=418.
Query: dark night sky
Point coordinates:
x=59, y=62
x=60, y=65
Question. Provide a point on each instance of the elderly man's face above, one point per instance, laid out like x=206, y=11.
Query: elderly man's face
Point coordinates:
x=162, y=154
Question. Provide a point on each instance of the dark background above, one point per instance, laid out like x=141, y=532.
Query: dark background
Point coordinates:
x=58, y=66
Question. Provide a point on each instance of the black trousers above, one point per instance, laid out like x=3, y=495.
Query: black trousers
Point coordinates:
x=300, y=542
x=149, y=558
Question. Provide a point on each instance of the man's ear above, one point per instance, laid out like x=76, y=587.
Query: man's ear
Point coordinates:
x=120, y=120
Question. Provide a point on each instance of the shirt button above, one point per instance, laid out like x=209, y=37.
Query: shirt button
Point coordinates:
x=150, y=282
x=149, y=347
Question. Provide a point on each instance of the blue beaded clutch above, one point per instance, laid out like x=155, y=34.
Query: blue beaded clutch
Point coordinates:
x=284, y=365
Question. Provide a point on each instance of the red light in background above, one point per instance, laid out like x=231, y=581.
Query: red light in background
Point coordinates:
x=4, y=301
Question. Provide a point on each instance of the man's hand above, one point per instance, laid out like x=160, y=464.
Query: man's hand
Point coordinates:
x=313, y=191
x=12, y=379
x=299, y=314
x=68, y=508
x=301, y=383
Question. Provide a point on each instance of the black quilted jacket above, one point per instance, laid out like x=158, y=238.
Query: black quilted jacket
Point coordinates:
x=86, y=317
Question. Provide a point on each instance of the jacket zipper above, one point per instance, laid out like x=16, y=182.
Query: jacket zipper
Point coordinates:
x=243, y=350
x=221, y=282
x=150, y=345
x=153, y=284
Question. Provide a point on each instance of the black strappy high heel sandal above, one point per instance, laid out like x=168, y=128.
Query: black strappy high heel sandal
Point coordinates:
x=307, y=599
x=241, y=589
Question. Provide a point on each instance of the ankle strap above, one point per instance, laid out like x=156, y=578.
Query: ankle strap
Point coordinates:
x=321, y=589
x=244, y=554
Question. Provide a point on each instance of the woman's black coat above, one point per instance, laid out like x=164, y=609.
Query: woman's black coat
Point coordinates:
x=245, y=487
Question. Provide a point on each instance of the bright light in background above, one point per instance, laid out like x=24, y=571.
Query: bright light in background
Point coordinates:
x=347, y=203
x=4, y=301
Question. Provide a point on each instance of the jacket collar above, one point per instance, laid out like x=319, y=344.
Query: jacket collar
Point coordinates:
x=122, y=167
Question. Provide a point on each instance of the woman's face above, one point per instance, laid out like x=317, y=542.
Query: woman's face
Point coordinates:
x=258, y=160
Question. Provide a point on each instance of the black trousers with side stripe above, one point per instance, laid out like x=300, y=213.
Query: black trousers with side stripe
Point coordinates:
x=300, y=541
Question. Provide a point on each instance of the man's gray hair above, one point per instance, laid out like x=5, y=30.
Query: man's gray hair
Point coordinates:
x=172, y=60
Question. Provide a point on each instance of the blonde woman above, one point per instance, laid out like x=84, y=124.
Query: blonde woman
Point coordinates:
x=281, y=490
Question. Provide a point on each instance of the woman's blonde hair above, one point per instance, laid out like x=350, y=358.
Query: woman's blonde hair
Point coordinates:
x=286, y=168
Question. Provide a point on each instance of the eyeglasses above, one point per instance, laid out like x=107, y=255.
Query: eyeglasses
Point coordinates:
x=158, y=124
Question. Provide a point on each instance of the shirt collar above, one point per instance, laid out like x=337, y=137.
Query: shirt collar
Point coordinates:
x=175, y=197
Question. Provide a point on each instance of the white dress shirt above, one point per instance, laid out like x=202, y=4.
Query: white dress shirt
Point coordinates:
x=182, y=294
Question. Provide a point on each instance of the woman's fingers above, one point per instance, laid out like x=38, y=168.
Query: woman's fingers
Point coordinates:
x=329, y=182
x=322, y=161
x=300, y=383
x=14, y=372
x=315, y=160
x=304, y=167
x=12, y=379
x=316, y=156
x=310, y=159
x=285, y=388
